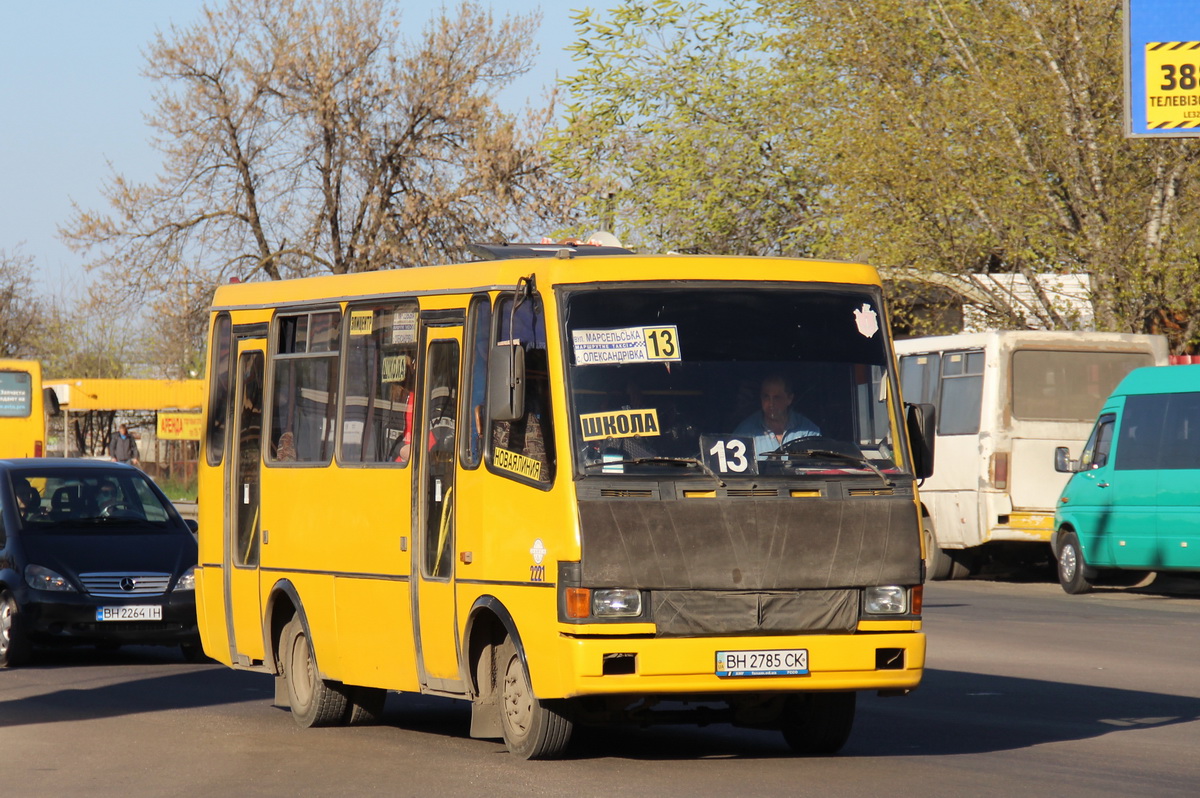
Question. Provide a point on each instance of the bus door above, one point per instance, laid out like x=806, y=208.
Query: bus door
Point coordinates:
x=242, y=533
x=433, y=534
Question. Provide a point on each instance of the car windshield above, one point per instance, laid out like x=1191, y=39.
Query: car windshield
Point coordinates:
x=732, y=381
x=80, y=500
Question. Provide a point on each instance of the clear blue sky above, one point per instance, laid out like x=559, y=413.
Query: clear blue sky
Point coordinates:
x=74, y=100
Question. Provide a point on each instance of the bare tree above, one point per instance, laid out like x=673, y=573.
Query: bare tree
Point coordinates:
x=311, y=136
x=22, y=310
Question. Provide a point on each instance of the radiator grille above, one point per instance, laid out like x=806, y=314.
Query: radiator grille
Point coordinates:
x=125, y=584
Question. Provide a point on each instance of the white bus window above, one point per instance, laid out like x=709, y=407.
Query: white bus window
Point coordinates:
x=962, y=393
x=1068, y=386
x=919, y=378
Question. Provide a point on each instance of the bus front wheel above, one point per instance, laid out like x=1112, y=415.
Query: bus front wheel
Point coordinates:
x=314, y=702
x=818, y=723
x=533, y=729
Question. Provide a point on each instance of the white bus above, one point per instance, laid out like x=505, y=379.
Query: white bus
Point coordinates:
x=1004, y=401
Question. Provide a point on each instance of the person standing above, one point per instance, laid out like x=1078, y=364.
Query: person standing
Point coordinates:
x=122, y=447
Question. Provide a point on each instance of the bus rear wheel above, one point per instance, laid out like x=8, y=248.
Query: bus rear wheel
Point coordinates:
x=314, y=701
x=532, y=729
x=818, y=724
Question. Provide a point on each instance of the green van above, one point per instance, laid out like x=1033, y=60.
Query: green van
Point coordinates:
x=1132, y=504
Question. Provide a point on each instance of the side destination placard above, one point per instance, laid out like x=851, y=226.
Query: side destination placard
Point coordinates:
x=619, y=424
x=517, y=463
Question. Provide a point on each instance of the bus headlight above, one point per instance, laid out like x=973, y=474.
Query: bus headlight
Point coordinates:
x=885, y=600
x=616, y=603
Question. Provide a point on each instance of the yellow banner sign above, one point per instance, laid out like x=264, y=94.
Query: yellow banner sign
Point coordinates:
x=517, y=463
x=179, y=426
x=619, y=424
x=1172, y=85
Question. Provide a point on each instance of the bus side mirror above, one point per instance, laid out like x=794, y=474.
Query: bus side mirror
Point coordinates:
x=506, y=383
x=919, y=421
x=1063, y=462
x=50, y=401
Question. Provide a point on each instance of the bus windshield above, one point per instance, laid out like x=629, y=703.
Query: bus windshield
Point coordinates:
x=772, y=379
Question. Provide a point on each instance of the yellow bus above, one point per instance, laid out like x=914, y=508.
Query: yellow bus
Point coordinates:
x=23, y=409
x=548, y=486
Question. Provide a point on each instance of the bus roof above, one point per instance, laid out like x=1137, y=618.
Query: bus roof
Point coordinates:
x=1045, y=339
x=504, y=273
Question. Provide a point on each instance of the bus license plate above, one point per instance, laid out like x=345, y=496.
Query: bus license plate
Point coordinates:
x=774, y=662
x=131, y=612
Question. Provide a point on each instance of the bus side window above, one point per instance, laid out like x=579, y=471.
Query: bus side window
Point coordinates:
x=524, y=448
x=479, y=329
x=218, y=399
x=304, y=389
x=961, y=399
x=919, y=378
x=381, y=359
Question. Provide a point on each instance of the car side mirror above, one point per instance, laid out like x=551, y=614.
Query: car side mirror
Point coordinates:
x=506, y=383
x=919, y=421
x=1063, y=462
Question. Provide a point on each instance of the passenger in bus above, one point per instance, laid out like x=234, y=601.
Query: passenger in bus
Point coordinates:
x=776, y=423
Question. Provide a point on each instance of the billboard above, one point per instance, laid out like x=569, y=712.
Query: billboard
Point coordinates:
x=1162, y=68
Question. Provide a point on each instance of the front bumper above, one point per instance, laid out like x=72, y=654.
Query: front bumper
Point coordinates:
x=68, y=618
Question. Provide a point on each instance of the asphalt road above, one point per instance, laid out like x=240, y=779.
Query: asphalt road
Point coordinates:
x=1028, y=692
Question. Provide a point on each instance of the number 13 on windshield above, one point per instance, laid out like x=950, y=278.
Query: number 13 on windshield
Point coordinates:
x=662, y=343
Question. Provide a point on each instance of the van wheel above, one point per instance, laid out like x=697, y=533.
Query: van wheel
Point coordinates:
x=314, y=701
x=14, y=645
x=1072, y=570
x=938, y=565
x=818, y=723
x=533, y=729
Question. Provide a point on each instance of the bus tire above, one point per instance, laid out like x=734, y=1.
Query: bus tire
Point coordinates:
x=1073, y=573
x=818, y=724
x=532, y=729
x=14, y=645
x=314, y=701
x=364, y=705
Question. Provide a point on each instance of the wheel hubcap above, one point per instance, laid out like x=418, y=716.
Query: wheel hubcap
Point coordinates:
x=6, y=620
x=518, y=701
x=300, y=675
x=1068, y=560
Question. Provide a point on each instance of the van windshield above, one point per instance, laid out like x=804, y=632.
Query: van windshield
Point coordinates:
x=743, y=381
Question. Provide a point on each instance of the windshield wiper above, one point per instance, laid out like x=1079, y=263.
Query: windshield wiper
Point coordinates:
x=857, y=458
x=671, y=460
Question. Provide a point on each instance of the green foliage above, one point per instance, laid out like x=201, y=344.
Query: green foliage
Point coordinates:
x=672, y=111
x=971, y=137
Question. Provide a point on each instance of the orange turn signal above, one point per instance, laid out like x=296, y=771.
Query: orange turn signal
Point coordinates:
x=918, y=594
x=579, y=602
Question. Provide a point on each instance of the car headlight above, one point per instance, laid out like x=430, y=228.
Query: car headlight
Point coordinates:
x=617, y=602
x=885, y=600
x=41, y=578
x=188, y=580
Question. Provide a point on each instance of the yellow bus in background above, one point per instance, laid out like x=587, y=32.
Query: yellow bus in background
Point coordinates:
x=527, y=483
x=23, y=409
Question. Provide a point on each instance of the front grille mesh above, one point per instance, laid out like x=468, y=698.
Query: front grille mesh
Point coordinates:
x=125, y=584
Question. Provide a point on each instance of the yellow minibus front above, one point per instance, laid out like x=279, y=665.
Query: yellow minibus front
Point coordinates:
x=569, y=489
